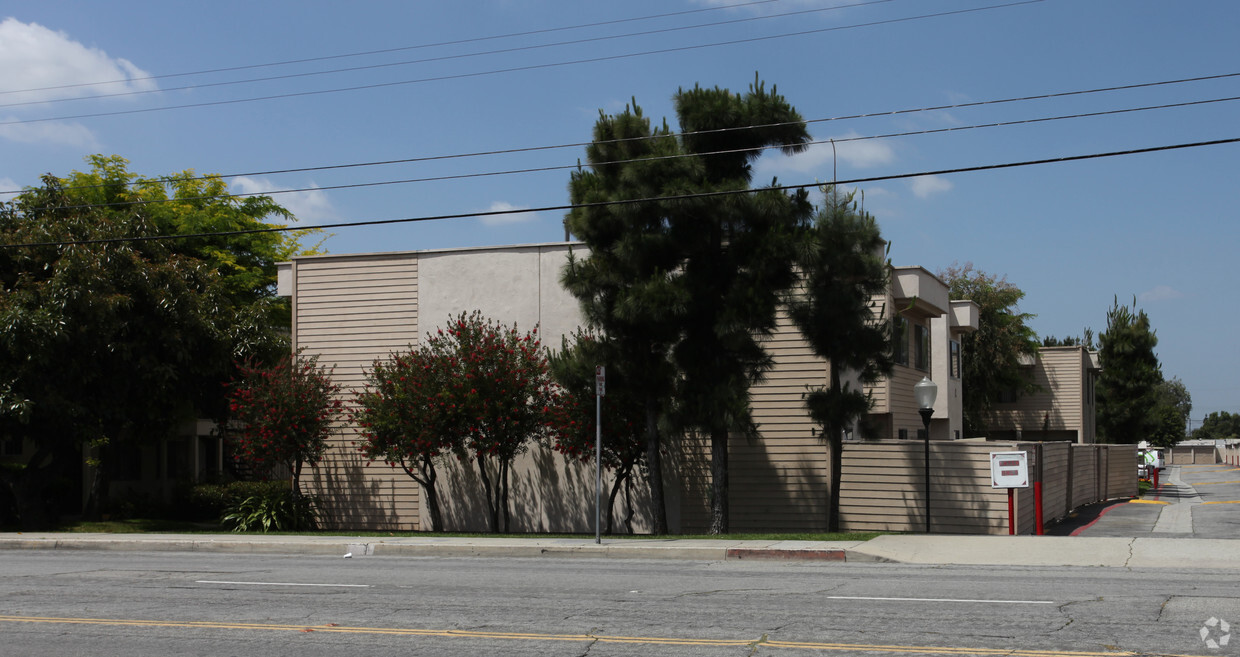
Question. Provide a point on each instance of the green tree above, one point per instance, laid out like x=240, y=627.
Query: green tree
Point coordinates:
x=408, y=417
x=720, y=263
x=626, y=284
x=736, y=255
x=1085, y=340
x=503, y=390
x=990, y=357
x=113, y=343
x=1128, y=386
x=1219, y=425
x=286, y=411
x=1171, y=413
x=843, y=269
x=623, y=419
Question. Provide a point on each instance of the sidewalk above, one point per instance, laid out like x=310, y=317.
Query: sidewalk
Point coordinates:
x=1189, y=522
x=894, y=548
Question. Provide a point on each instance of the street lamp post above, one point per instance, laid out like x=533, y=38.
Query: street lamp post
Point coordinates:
x=924, y=392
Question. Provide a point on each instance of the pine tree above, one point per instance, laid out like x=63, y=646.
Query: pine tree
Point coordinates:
x=1128, y=385
x=842, y=270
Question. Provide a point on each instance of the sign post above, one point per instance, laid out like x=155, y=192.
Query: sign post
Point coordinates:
x=1009, y=470
x=600, y=390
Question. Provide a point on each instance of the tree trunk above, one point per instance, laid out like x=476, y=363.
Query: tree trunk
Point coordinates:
x=296, y=483
x=491, y=493
x=628, y=503
x=622, y=476
x=654, y=465
x=719, y=480
x=427, y=478
x=835, y=452
x=503, y=486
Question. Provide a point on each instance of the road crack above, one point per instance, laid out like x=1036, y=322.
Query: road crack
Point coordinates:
x=753, y=646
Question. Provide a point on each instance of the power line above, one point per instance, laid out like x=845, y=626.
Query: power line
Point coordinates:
x=679, y=197
x=488, y=174
x=501, y=51
x=517, y=69
x=530, y=149
x=388, y=50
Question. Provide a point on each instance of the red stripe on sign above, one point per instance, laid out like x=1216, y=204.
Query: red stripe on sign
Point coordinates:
x=1009, y=464
x=1009, y=473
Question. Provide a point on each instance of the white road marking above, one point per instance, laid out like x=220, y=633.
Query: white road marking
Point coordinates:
x=211, y=581
x=1003, y=602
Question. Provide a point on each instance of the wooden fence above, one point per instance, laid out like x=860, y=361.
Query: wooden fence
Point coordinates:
x=883, y=484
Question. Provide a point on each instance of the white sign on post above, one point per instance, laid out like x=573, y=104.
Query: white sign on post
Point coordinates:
x=1009, y=470
x=600, y=381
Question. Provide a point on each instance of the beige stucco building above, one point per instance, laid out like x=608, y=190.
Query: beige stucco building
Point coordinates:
x=350, y=310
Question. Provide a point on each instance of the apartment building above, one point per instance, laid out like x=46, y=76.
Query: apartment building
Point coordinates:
x=350, y=310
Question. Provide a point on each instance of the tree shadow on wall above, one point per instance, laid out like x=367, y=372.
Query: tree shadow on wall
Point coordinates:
x=354, y=493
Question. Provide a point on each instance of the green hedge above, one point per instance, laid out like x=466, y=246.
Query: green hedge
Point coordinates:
x=212, y=501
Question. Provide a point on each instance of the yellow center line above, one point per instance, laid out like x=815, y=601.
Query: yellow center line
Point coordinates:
x=1212, y=483
x=532, y=636
x=1223, y=502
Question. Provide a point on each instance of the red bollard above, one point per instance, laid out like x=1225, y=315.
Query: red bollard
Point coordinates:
x=1154, y=478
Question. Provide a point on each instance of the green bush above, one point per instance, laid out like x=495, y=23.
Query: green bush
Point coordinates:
x=213, y=501
x=280, y=510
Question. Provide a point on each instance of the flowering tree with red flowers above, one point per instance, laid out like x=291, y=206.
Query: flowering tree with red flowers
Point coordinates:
x=504, y=395
x=409, y=418
x=623, y=413
x=286, y=412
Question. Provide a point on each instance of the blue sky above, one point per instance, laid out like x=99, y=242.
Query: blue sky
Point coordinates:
x=1160, y=227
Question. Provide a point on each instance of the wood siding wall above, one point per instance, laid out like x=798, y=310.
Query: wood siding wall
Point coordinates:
x=778, y=481
x=1061, y=404
x=349, y=311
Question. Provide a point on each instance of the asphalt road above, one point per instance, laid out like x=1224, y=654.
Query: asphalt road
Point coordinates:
x=169, y=604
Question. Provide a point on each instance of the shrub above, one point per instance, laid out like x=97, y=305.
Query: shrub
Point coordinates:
x=281, y=509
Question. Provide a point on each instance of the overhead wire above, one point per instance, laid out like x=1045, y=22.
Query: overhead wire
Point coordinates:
x=565, y=167
x=501, y=51
x=515, y=69
x=657, y=199
x=382, y=51
x=898, y=112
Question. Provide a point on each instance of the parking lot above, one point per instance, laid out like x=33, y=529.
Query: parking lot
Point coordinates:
x=1199, y=501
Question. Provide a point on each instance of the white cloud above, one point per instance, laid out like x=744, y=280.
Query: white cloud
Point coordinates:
x=310, y=207
x=8, y=184
x=46, y=62
x=821, y=160
x=924, y=186
x=1161, y=293
x=507, y=219
x=50, y=132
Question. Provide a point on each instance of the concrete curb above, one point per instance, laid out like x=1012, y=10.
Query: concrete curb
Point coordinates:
x=1033, y=551
x=696, y=550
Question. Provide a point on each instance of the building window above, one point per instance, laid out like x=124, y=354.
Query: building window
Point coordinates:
x=899, y=340
x=955, y=359
x=903, y=434
x=921, y=348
